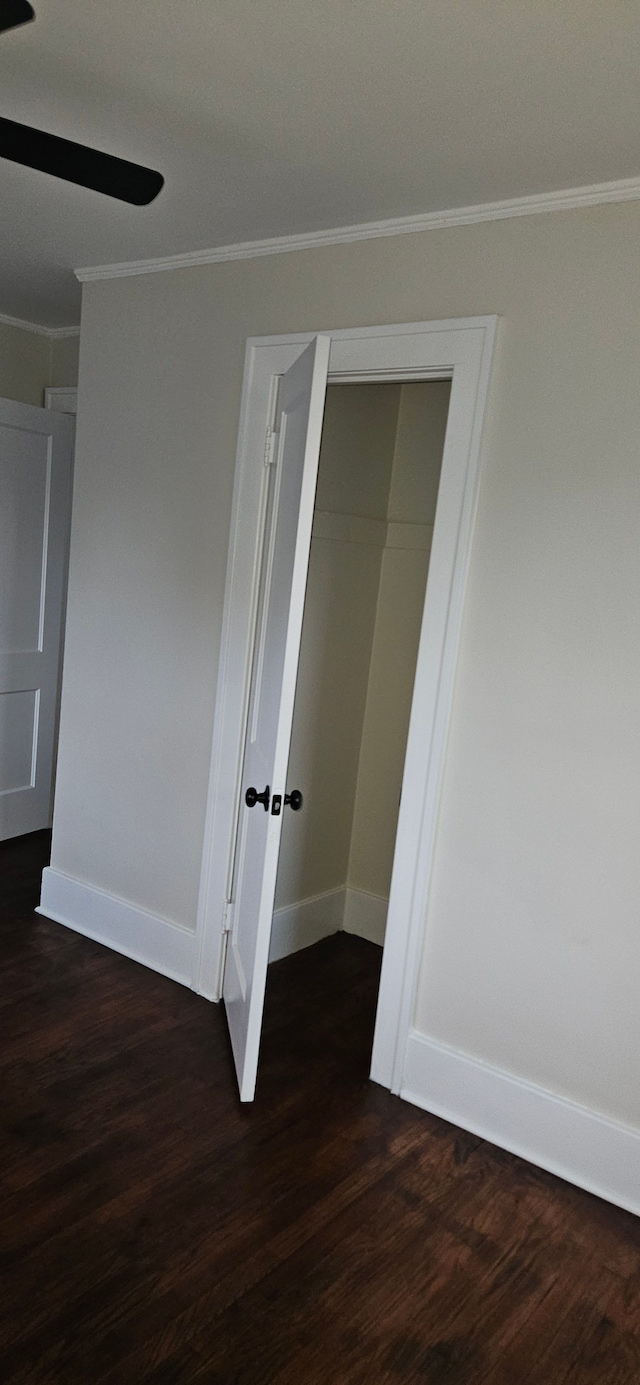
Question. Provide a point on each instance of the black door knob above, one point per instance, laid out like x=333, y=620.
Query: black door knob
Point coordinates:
x=252, y=797
x=294, y=800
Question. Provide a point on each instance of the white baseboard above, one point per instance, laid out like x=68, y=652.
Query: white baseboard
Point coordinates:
x=172, y=950
x=299, y=925
x=302, y=924
x=153, y=941
x=365, y=915
x=572, y=1141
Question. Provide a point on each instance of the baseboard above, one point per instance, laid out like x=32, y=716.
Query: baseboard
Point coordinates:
x=171, y=950
x=145, y=938
x=572, y=1141
x=300, y=925
x=365, y=915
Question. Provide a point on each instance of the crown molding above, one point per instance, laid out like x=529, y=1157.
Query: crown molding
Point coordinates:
x=592, y=195
x=61, y=333
x=53, y=333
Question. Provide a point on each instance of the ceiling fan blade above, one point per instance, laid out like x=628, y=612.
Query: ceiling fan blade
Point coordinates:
x=78, y=164
x=13, y=13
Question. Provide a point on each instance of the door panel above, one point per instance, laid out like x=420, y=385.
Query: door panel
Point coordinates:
x=277, y=644
x=35, y=476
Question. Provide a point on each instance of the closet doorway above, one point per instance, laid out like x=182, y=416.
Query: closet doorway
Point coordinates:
x=371, y=534
x=373, y=521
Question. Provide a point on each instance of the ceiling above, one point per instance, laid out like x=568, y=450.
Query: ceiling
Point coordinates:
x=289, y=116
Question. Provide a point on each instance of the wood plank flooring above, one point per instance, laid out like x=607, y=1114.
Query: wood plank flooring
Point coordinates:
x=153, y=1230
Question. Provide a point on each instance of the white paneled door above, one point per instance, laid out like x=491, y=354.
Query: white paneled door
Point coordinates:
x=285, y=559
x=35, y=495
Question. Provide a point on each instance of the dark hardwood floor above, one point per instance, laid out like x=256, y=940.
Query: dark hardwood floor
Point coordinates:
x=153, y=1230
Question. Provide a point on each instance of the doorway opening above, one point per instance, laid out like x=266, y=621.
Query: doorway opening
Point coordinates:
x=378, y=477
x=36, y=459
x=279, y=441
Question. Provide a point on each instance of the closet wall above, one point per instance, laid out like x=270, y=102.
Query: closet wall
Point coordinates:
x=25, y=364
x=30, y=360
x=411, y=511
x=375, y=505
x=354, y=479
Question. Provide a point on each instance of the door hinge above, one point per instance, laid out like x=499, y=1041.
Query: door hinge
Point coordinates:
x=270, y=446
x=227, y=915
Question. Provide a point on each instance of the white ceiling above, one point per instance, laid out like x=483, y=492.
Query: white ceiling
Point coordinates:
x=294, y=115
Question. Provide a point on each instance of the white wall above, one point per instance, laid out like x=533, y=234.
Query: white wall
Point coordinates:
x=25, y=364
x=532, y=944
x=65, y=352
x=29, y=361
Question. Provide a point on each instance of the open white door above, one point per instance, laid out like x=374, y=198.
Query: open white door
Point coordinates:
x=285, y=562
x=35, y=489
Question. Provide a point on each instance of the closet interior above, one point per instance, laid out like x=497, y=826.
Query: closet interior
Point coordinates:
x=373, y=523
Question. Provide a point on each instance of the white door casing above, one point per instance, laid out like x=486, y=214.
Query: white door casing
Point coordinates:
x=458, y=349
x=35, y=497
x=285, y=559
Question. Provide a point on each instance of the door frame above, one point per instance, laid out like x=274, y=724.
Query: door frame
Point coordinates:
x=460, y=349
